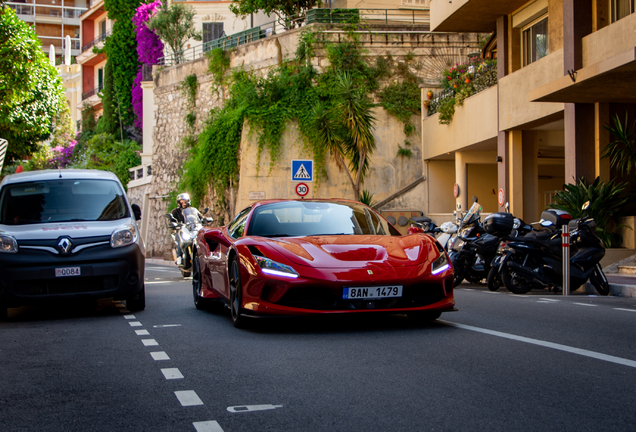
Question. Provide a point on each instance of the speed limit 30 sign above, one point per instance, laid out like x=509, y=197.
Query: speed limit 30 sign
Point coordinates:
x=302, y=189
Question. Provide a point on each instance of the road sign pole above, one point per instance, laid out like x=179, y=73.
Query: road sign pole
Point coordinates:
x=566, y=259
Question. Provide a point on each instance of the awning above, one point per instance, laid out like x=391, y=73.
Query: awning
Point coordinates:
x=612, y=80
x=478, y=16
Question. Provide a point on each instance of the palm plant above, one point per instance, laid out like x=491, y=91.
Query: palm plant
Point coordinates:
x=366, y=197
x=605, y=204
x=622, y=150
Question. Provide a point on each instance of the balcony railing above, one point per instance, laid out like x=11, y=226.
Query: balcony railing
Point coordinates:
x=323, y=16
x=58, y=42
x=92, y=92
x=46, y=10
x=95, y=41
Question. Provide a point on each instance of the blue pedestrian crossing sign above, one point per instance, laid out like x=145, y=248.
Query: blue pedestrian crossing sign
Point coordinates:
x=302, y=170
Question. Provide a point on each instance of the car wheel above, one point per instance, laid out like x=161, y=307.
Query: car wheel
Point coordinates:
x=494, y=279
x=185, y=274
x=199, y=302
x=236, y=295
x=419, y=318
x=138, y=303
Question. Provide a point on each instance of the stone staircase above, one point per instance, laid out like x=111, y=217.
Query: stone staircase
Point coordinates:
x=621, y=277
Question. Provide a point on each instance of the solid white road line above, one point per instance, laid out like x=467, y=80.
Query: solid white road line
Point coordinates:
x=134, y=323
x=188, y=398
x=544, y=301
x=157, y=282
x=129, y=316
x=584, y=304
x=172, y=373
x=559, y=347
x=142, y=332
x=159, y=355
x=627, y=310
x=207, y=426
x=149, y=342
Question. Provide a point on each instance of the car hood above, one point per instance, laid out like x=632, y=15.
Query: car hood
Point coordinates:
x=51, y=231
x=358, y=251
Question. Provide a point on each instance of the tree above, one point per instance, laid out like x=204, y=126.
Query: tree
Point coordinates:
x=283, y=9
x=31, y=90
x=174, y=24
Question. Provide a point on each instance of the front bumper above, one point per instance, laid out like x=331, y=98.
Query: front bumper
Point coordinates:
x=29, y=276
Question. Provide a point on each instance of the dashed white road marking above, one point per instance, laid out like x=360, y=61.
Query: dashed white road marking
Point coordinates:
x=207, y=426
x=167, y=325
x=172, y=373
x=544, y=301
x=492, y=292
x=142, y=332
x=134, y=323
x=188, y=398
x=149, y=342
x=627, y=310
x=549, y=299
x=246, y=408
x=159, y=355
x=129, y=316
x=556, y=346
x=585, y=304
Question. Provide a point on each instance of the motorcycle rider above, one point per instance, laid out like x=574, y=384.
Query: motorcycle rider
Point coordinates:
x=183, y=202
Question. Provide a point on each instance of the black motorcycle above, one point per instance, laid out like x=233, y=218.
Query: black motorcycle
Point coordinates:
x=537, y=263
x=467, y=263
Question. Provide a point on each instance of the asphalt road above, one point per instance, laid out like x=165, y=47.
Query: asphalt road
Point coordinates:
x=502, y=363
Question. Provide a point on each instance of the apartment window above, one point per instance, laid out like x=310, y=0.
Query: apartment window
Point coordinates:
x=621, y=8
x=100, y=79
x=212, y=31
x=535, y=41
x=102, y=28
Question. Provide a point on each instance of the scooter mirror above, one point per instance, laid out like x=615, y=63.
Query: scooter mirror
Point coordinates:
x=205, y=210
x=507, y=207
x=475, y=199
x=586, y=205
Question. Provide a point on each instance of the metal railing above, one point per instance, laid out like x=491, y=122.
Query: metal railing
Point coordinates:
x=92, y=92
x=58, y=42
x=322, y=16
x=32, y=9
x=95, y=41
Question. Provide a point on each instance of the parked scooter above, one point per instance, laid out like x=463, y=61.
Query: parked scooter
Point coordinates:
x=442, y=233
x=537, y=263
x=183, y=234
x=464, y=257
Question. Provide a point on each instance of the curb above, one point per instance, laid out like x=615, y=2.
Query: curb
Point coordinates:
x=617, y=290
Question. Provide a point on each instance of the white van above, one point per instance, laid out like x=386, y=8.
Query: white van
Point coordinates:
x=68, y=234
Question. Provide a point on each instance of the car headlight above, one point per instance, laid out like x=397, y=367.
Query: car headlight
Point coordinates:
x=123, y=236
x=440, y=264
x=271, y=267
x=8, y=244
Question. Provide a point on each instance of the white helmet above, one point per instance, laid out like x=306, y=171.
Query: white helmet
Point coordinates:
x=183, y=197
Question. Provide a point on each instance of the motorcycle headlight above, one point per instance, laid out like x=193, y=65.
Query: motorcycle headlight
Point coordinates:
x=123, y=236
x=185, y=236
x=8, y=243
x=274, y=268
x=440, y=264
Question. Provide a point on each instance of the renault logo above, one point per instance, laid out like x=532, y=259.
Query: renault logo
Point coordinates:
x=64, y=245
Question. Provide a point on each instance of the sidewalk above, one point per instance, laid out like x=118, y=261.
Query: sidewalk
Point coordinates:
x=620, y=285
x=160, y=261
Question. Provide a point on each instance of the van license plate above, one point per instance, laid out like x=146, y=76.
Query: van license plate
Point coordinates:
x=67, y=271
x=371, y=292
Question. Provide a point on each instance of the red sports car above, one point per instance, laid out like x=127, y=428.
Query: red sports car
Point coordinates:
x=304, y=257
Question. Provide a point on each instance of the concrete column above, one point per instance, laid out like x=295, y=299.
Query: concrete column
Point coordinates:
x=461, y=179
x=502, y=137
x=580, y=142
x=530, y=164
x=601, y=139
x=515, y=165
x=148, y=88
x=577, y=23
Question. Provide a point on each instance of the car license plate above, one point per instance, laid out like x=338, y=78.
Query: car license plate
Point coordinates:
x=67, y=271
x=377, y=292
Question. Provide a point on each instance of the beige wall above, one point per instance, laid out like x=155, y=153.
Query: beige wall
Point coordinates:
x=610, y=41
x=440, y=180
x=515, y=108
x=442, y=9
x=482, y=183
x=473, y=123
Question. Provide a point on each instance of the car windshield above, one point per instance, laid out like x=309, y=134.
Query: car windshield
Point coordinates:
x=62, y=201
x=311, y=218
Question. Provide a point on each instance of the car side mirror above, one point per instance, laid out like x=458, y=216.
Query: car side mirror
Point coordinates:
x=136, y=211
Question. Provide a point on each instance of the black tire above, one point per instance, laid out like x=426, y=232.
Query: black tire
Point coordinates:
x=137, y=303
x=185, y=274
x=199, y=302
x=419, y=318
x=236, y=295
x=494, y=279
x=599, y=281
x=513, y=283
x=3, y=311
x=459, y=269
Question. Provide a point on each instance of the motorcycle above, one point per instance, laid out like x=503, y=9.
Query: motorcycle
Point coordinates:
x=467, y=263
x=443, y=233
x=537, y=263
x=183, y=235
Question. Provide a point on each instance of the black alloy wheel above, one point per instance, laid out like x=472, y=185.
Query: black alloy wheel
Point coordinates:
x=514, y=283
x=460, y=267
x=599, y=281
x=199, y=302
x=494, y=279
x=236, y=295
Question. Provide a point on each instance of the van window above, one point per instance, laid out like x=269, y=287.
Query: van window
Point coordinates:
x=62, y=200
